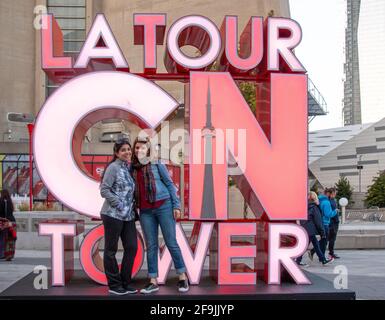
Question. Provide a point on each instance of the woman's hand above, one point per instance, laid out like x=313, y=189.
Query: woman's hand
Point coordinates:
x=120, y=206
x=177, y=214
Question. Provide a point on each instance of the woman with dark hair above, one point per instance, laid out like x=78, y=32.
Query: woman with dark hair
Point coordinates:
x=7, y=227
x=159, y=205
x=118, y=215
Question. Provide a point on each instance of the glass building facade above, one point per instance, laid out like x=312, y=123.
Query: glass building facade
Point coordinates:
x=364, y=101
x=371, y=44
x=352, y=94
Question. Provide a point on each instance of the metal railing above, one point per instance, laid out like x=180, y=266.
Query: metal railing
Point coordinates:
x=371, y=215
x=317, y=96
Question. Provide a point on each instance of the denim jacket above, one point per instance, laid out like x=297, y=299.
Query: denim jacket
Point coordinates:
x=165, y=187
x=117, y=188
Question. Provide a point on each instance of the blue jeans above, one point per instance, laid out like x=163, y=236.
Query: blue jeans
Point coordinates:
x=324, y=241
x=316, y=249
x=150, y=220
x=322, y=244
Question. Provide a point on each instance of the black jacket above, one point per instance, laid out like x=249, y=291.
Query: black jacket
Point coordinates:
x=335, y=220
x=6, y=211
x=313, y=225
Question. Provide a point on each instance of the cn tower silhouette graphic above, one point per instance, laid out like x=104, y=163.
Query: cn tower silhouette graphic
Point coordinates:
x=208, y=133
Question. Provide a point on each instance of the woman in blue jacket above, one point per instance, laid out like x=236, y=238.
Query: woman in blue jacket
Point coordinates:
x=159, y=205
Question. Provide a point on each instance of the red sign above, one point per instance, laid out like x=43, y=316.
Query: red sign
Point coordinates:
x=267, y=152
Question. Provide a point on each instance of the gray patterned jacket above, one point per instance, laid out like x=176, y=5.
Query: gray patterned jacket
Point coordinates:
x=117, y=188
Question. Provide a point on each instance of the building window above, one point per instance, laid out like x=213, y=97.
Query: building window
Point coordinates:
x=71, y=18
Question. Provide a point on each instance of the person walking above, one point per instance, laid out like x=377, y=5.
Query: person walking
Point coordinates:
x=334, y=224
x=118, y=216
x=159, y=205
x=314, y=226
x=327, y=213
x=8, y=235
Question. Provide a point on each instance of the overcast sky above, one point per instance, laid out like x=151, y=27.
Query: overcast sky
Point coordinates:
x=322, y=52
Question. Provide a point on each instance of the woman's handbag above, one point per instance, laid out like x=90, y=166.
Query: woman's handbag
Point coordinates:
x=12, y=233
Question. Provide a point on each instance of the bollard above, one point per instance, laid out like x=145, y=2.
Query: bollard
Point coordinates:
x=343, y=202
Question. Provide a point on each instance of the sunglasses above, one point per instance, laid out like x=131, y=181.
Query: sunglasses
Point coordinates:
x=143, y=140
x=123, y=141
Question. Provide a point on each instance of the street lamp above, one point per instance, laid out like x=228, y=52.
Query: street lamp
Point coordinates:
x=343, y=202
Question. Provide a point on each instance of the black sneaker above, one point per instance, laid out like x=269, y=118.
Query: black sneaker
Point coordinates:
x=303, y=264
x=120, y=291
x=327, y=261
x=183, y=285
x=334, y=256
x=130, y=289
x=311, y=255
x=149, y=288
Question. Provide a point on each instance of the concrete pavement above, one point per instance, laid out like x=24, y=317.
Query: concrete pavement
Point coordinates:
x=365, y=269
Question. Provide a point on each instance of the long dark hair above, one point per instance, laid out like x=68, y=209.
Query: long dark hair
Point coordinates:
x=5, y=196
x=135, y=162
x=117, y=146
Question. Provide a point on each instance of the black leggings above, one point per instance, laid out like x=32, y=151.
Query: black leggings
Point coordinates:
x=113, y=230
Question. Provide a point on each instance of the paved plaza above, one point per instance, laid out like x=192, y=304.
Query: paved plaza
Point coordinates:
x=365, y=269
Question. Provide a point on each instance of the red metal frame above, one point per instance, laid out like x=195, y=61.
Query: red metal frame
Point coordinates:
x=30, y=132
x=186, y=77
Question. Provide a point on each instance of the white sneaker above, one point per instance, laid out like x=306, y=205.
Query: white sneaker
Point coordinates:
x=149, y=288
x=183, y=285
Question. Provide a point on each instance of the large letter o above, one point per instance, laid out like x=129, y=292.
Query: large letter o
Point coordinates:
x=91, y=260
x=71, y=110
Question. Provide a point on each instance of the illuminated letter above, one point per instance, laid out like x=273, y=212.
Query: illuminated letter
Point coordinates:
x=91, y=261
x=149, y=31
x=57, y=232
x=101, y=29
x=280, y=255
x=283, y=154
x=67, y=115
x=196, y=31
x=52, y=46
x=226, y=252
x=251, y=44
x=283, y=46
x=194, y=261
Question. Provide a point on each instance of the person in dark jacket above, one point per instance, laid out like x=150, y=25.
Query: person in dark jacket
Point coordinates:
x=327, y=213
x=314, y=226
x=334, y=224
x=118, y=216
x=7, y=227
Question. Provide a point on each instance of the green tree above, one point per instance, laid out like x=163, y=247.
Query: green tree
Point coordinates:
x=248, y=90
x=344, y=189
x=376, y=192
